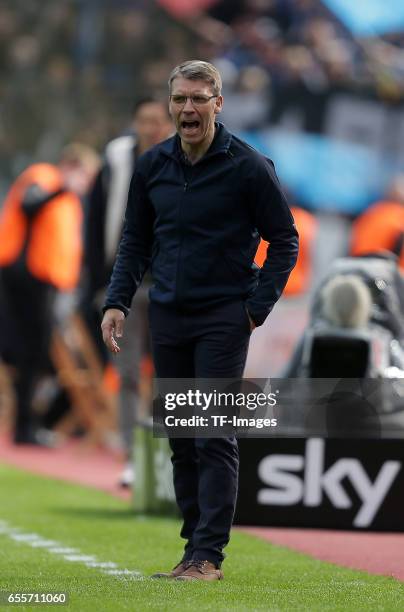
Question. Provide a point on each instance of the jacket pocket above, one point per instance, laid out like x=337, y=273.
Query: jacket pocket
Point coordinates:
x=238, y=270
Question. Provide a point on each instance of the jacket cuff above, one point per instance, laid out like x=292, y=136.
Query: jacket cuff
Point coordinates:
x=117, y=306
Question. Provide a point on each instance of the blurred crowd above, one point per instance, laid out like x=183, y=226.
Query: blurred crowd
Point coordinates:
x=72, y=70
x=302, y=40
x=264, y=47
x=58, y=58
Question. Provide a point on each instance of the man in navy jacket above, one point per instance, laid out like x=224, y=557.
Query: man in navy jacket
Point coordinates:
x=198, y=204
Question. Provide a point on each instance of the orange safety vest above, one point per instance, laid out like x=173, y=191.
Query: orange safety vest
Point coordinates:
x=378, y=229
x=300, y=277
x=55, y=245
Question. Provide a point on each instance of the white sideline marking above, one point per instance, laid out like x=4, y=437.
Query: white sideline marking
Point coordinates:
x=43, y=544
x=102, y=564
x=62, y=550
x=121, y=572
x=73, y=555
x=24, y=537
x=79, y=558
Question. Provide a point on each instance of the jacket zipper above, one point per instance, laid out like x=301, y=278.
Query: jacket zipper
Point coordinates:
x=181, y=232
x=185, y=189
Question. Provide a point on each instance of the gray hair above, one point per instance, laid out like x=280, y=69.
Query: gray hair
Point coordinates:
x=198, y=70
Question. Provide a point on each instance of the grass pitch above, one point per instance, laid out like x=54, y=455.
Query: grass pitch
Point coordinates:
x=258, y=576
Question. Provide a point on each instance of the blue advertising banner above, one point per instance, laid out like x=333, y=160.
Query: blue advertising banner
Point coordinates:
x=322, y=172
x=369, y=17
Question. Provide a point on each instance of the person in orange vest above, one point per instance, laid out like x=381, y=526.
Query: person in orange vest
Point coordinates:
x=381, y=226
x=300, y=277
x=40, y=255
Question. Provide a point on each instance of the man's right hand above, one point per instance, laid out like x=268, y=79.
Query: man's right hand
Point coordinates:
x=112, y=325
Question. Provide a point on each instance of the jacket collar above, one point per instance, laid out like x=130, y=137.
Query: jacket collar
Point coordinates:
x=221, y=143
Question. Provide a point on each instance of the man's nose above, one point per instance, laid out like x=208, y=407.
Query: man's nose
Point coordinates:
x=188, y=106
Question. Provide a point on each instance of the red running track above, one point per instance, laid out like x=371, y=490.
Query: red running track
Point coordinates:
x=73, y=462
x=376, y=553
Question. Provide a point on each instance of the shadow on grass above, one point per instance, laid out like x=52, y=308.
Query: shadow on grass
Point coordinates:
x=109, y=513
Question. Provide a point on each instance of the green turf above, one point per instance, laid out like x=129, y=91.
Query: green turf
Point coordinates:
x=258, y=576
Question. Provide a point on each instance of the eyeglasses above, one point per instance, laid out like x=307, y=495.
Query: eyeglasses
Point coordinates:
x=197, y=100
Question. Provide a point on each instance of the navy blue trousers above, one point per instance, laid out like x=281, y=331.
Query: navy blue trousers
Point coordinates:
x=207, y=344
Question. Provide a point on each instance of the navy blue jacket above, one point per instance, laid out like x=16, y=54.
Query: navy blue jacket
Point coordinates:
x=199, y=227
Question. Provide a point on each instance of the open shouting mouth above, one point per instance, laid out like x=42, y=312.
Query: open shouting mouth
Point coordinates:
x=190, y=127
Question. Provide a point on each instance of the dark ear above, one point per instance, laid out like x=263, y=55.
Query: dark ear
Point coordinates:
x=218, y=104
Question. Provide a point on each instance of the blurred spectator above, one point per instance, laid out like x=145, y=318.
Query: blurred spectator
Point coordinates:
x=40, y=255
x=104, y=220
x=247, y=106
x=381, y=227
x=301, y=276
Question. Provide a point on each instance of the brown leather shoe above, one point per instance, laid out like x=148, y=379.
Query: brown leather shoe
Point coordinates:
x=201, y=570
x=176, y=571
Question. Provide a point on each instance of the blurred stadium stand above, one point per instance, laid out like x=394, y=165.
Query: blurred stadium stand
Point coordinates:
x=71, y=70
